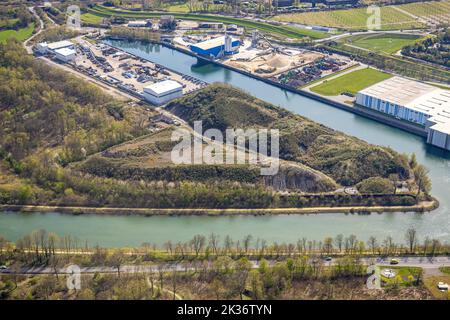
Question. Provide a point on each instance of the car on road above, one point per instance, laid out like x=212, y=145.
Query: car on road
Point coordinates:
x=3, y=267
x=394, y=261
x=328, y=258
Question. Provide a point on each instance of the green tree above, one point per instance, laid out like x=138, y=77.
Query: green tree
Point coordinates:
x=422, y=180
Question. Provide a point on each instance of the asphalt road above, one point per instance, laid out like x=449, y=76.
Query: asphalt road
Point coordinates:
x=422, y=262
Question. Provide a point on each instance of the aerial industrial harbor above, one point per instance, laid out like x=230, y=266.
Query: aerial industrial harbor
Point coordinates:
x=289, y=67
x=135, y=133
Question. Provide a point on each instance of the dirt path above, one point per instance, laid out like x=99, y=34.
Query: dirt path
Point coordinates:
x=430, y=205
x=41, y=28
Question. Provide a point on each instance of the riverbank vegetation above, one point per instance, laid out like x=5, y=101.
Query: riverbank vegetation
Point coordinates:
x=134, y=34
x=211, y=267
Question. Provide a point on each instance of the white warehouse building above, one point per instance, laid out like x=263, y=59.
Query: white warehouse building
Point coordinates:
x=163, y=92
x=44, y=47
x=65, y=54
x=415, y=102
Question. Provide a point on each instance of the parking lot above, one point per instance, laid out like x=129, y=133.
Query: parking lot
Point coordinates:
x=127, y=72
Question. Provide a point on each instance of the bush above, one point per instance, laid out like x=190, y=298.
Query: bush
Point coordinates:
x=375, y=185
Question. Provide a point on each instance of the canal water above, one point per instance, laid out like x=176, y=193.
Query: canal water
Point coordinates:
x=134, y=230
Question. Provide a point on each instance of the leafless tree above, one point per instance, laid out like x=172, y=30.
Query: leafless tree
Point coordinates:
x=198, y=242
x=247, y=240
x=411, y=239
x=372, y=243
x=214, y=242
x=228, y=243
x=116, y=260
x=339, y=241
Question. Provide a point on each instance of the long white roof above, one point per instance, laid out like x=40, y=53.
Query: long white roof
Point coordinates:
x=416, y=96
x=65, y=52
x=59, y=44
x=163, y=87
x=212, y=43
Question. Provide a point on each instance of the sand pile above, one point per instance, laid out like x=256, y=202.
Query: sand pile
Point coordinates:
x=278, y=62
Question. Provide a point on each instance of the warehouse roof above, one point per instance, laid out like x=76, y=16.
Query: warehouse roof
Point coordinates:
x=163, y=87
x=442, y=127
x=59, y=44
x=398, y=90
x=65, y=52
x=414, y=95
x=138, y=22
x=212, y=43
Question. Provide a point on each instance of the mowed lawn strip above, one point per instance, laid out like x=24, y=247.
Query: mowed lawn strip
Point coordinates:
x=385, y=43
x=21, y=34
x=350, y=82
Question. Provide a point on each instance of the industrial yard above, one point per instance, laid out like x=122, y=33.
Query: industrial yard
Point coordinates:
x=126, y=71
x=256, y=55
x=136, y=76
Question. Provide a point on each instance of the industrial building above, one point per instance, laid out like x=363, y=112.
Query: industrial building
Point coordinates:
x=216, y=47
x=140, y=24
x=414, y=102
x=44, y=47
x=65, y=54
x=163, y=92
x=60, y=44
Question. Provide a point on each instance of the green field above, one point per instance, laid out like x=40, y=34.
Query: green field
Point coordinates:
x=351, y=82
x=432, y=11
x=91, y=18
x=385, y=43
x=353, y=19
x=280, y=31
x=21, y=34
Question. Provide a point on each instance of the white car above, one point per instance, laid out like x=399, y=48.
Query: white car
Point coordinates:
x=3, y=267
x=442, y=286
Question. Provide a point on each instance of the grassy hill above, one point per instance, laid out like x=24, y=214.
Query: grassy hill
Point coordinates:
x=346, y=159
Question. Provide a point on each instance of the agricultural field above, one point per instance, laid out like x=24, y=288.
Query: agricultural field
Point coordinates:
x=434, y=12
x=21, y=34
x=382, y=43
x=350, y=82
x=353, y=19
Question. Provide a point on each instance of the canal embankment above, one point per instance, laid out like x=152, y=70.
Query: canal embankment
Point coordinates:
x=423, y=206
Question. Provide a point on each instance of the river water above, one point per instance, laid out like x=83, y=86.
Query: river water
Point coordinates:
x=134, y=230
